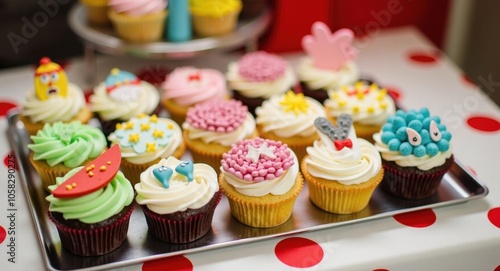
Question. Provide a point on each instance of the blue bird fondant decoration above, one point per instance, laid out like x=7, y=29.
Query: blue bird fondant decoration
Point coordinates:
x=162, y=175
x=185, y=168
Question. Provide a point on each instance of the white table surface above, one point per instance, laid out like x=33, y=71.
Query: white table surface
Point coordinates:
x=462, y=237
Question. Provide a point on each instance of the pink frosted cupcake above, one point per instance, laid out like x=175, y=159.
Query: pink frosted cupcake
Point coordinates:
x=138, y=20
x=257, y=76
x=187, y=86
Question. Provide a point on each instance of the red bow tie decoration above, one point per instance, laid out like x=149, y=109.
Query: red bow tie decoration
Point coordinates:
x=340, y=144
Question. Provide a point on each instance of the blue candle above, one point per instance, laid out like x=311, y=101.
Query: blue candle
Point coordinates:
x=178, y=21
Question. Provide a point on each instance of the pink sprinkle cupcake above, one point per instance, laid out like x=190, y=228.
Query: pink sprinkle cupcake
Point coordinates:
x=261, y=180
x=257, y=76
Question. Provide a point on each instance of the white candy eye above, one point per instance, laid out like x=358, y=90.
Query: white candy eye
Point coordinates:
x=434, y=131
x=44, y=78
x=54, y=77
x=413, y=137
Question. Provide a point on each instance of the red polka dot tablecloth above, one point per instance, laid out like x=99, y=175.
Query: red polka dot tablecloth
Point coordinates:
x=458, y=237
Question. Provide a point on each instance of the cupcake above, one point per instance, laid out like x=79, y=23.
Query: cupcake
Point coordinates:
x=139, y=20
x=261, y=180
x=257, y=76
x=91, y=206
x=341, y=171
x=214, y=17
x=212, y=127
x=187, y=86
x=416, y=153
x=144, y=141
x=178, y=199
x=60, y=147
x=97, y=11
x=53, y=99
x=289, y=118
x=122, y=96
x=368, y=105
x=329, y=61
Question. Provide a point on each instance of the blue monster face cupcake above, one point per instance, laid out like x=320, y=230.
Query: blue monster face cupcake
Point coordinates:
x=416, y=153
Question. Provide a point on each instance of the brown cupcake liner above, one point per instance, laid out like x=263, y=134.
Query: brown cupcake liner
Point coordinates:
x=182, y=227
x=413, y=185
x=333, y=197
x=261, y=212
x=94, y=241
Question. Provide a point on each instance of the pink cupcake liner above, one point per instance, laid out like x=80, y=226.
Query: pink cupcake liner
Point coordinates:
x=182, y=227
x=94, y=241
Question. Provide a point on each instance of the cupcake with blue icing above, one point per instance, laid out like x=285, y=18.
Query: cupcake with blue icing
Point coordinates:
x=122, y=96
x=416, y=152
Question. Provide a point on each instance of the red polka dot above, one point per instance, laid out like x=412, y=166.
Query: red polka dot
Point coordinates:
x=153, y=74
x=497, y=268
x=380, y=269
x=10, y=160
x=417, y=219
x=299, y=252
x=394, y=92
x=483, y=123
x=494, y=216
x=174, y=263
x=423, y=57
x=3, y=234
x=5, y=106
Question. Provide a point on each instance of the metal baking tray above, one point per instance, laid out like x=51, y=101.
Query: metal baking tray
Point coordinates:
x=457, y=186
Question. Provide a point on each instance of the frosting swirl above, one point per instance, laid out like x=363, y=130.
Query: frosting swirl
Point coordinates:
x=146, y=138
x=367, y=104
x=289, y=115
x=348, y=165
x=181, y=193
x=96, y=206
x=188, y=86
x=110, y=108
x=316, y=78
x=57, y=108
x=137, y=7
x=70, y=144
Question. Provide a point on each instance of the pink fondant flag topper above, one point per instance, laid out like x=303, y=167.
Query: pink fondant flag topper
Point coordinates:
x=329, y=50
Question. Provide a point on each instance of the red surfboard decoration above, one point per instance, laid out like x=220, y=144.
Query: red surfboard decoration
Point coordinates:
x=92, y=177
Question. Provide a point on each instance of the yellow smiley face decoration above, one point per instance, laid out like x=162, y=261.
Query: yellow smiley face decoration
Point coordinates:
x=50, y=80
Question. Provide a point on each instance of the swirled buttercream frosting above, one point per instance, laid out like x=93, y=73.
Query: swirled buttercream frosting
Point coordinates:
x=137, y=7
x=173, y=185
x=69, y=144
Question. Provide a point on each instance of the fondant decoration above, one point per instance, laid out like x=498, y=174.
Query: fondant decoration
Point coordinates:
x=255, y=153
x=416, y=133
x=327, y=50
x=360, y=98
x=144, y=134
x=295, y=103
x=261, y=66
x=337, y=134
x=178, y=21
x=96, y=175
x=222, y=116
x=123, y=86
x=185, y=168
x=235, y=161
x=162, y=175
x=50, y=80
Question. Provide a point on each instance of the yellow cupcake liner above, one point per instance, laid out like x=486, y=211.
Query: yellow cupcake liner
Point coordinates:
x=261, y=212
x=206, y=26
x=298, y=144
x=84, y=115
x=133, y=171
x=145, y=28
x=334, y=197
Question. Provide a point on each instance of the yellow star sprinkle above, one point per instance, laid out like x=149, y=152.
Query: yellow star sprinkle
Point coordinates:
x=150, y=146
x=373, y=87
x=383, y=105
x=345, y=89
x=119, y=126
x=145, y=126
x=355, y=109
x=129, y=125
x=170, y=126
x=142, y=115
x=157, y=133
x=381, y=95
x=153, y=118
x=360, y=94
x=133, y=138
x=294, y=102
x=358, y=85
x=370, y=109
x=342, y=103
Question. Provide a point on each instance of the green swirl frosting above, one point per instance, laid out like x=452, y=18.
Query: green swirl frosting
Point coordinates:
x=70, y=144
x=94, y=207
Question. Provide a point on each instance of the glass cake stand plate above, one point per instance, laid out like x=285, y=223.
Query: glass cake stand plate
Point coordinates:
x=104, y=39
x=457, y=186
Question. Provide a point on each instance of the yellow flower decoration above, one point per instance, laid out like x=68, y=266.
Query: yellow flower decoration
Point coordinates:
x=157, y=133
x=153, y=118
x=129, y=125
x=145, y=126
x=133, y=138
x=295, y=103
x=150, y=146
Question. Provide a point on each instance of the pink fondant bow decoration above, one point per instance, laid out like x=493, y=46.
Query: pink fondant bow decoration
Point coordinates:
x=327, y=50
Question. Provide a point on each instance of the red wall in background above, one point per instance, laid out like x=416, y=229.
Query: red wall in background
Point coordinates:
x=292, y=19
